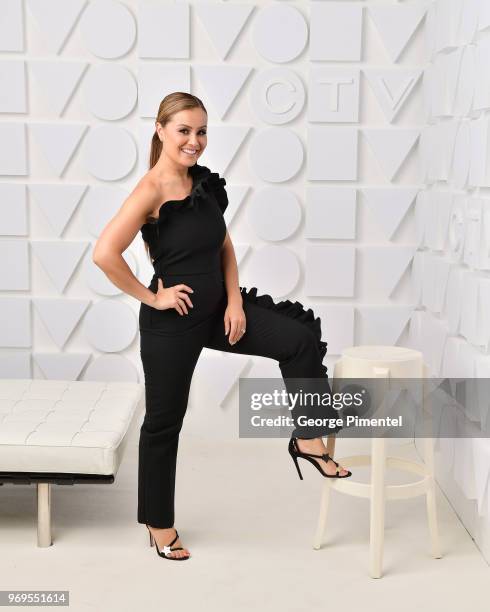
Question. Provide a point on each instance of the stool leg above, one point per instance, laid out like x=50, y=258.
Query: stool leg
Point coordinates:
x=429, y=466
x=431, y=499
x=322, y=517
x=377, y=516
x=324, y=504
x=44, y=514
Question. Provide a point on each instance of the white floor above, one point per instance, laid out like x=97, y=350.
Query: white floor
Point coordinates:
x=248, y=521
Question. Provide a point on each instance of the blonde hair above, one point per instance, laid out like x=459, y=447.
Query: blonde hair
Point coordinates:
x=169, y=106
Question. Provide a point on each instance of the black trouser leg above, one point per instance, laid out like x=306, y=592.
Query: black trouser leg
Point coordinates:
x=168, y=364
x=294, y=345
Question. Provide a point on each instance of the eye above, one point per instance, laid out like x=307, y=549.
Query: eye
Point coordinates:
x=203, y=132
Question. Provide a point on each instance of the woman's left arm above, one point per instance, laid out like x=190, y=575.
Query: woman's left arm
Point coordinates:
x=234, y=318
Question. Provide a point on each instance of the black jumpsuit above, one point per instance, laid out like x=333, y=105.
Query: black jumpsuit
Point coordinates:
x=185, y=243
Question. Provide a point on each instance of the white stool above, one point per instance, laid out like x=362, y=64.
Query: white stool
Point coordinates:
x=381, y=362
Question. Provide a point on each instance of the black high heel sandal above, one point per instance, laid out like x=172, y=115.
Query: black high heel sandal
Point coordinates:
x=295, y=453
x=167, y=549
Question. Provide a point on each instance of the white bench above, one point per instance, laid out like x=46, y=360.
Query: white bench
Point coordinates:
x=63, y=432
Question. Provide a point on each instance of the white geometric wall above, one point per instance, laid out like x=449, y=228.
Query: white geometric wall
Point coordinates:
x=315, y=114
x=355, y=140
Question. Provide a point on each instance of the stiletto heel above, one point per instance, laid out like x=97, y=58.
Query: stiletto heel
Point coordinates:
x=167, y=549
x=295, y=453
x=295, y=459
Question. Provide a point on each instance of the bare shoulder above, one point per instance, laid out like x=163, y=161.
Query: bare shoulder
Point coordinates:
x=121, y=230
x=144, y=198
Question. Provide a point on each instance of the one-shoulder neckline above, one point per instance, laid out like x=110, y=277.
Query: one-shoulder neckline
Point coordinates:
x=195, y=171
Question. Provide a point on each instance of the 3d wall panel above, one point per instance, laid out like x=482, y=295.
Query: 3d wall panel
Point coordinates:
x=451, y=272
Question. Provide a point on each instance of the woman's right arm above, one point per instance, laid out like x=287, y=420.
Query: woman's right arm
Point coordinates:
x=118, y=234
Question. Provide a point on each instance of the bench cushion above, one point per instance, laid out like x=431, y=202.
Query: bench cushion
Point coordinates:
x=65, y=426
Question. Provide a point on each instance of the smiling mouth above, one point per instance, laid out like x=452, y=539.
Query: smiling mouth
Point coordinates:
x=189, y=151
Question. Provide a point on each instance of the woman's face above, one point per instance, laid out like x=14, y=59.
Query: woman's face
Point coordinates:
x=184, y=136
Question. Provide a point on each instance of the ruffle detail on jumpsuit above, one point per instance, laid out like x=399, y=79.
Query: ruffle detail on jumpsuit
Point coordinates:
x=206, y=184
x=211, y=183
x=294, y=310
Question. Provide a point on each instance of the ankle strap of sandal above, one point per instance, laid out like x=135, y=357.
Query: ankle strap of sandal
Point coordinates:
x=325, y=456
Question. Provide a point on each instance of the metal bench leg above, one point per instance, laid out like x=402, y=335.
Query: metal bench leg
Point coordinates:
x=44, y=514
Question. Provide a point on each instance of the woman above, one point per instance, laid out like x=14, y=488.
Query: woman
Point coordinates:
x=194, y=301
